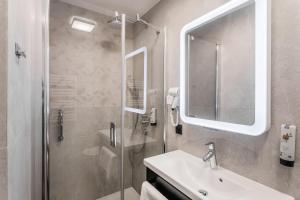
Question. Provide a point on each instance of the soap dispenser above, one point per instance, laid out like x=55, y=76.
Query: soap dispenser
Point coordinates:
x=287, y=145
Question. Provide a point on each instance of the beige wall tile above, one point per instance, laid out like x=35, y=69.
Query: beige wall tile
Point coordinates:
x=3, y=174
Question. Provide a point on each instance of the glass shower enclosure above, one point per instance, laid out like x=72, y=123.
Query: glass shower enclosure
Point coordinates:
x=93, y=146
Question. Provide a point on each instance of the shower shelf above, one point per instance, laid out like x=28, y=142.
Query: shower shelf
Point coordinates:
x=130, y=140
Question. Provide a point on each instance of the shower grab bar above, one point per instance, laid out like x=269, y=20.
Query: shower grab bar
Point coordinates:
x=60, y=125
x=113, y=135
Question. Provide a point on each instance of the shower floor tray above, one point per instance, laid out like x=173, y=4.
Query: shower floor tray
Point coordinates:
x=130, y=194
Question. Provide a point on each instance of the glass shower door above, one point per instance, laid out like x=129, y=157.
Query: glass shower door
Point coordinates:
x=85, y=107
x=96, y=148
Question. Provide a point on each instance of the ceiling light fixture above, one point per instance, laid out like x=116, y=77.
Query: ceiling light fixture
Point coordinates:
x=82, y=24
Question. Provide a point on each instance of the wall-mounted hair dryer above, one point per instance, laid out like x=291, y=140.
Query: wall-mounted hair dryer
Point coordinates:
x=173, y=97
x=173, y=101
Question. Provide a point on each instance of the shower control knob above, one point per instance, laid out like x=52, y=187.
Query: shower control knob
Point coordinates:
x=60, y=138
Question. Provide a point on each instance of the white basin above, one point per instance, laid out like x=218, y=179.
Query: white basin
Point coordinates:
x=190, y=174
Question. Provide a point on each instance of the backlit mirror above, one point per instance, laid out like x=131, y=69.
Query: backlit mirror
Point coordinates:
x=136, y=81
x=225, y=67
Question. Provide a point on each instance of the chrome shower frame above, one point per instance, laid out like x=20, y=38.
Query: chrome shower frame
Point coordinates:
x=45, y=102
x=140, y=20
x=123, y=100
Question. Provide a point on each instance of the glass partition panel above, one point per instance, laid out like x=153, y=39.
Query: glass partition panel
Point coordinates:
x=85, y=105
x=142, y=137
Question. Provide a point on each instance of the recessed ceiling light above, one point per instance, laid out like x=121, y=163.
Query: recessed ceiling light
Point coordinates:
x=82, y=24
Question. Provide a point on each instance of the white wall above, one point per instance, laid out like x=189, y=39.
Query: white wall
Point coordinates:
x=3, y=96
x=24, y=99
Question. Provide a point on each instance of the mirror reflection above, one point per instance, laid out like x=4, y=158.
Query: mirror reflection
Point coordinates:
x=135, y=81
x=221, y=69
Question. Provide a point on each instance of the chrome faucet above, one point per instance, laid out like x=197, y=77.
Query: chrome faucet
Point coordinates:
x=211, y=155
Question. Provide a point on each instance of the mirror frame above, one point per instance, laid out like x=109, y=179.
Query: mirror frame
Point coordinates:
x=262, y=67
x=131, y=55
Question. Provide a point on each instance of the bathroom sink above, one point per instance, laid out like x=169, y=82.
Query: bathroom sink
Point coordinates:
x=197, y=180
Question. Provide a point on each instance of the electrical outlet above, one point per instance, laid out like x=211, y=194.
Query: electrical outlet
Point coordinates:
x=179, y=129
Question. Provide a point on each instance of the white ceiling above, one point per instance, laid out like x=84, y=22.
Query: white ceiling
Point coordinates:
x=107, y=7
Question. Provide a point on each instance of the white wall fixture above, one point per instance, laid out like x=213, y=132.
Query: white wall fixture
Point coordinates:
x=137, y=86
x=261, y=64
x=82, y=24
x=173, y=102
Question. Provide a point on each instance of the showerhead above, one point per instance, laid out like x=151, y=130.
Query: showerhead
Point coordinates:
x=115, y=21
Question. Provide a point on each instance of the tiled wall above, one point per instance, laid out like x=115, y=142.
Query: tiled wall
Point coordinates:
x=253, y=157
x=3, y=97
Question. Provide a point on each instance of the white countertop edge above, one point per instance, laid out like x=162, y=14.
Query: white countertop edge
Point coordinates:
x=173, y=182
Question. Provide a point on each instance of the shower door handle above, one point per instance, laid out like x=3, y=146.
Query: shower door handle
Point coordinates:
x=113, y=135
x=60, y=125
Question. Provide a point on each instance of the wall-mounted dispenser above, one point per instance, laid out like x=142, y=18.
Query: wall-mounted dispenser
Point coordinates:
x=173, y=101
x=153, y=117
x=287, y=145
